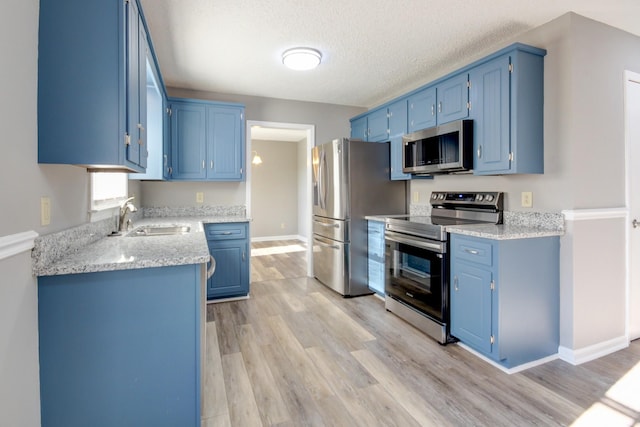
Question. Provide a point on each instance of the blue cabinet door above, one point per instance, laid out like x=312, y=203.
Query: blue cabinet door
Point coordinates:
x=376, y=253
x=225, y=144
x=133, y=81
x=188, y=141
x=471, y=305
x=378, y=124
x=422, y=109
x=490, y=91
x=359, y=128
x=397, y=128
x=230, y=278
x=453, y=98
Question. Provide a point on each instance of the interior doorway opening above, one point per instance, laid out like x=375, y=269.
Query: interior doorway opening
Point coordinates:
x=268, y=205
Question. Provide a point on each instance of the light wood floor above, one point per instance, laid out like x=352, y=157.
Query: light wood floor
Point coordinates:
x=298, y=354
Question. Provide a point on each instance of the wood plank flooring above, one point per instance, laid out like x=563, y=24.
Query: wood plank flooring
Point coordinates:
x=298, y=354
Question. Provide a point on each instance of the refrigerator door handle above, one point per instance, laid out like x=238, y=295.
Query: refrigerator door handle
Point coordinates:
x=326, y=245
x=321, y=181
x=325, y=225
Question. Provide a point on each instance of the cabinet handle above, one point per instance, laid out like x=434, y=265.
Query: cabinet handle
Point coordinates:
x=211, y=164
x=166, y=161
x=440, y=107
x=140, y=127
x=455, y=283
x=203, y=164
x=227, y=233
x=479, y=151
x=472, y=251
x=433, y=110
x=244, y=255
x=211, y=269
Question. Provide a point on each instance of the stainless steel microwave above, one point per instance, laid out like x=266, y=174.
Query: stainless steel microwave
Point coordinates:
x=440, y=149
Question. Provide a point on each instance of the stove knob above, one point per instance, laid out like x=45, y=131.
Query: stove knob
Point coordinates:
x=479, y=197
x=441, y=197
x=434, y=196
x=489, y=198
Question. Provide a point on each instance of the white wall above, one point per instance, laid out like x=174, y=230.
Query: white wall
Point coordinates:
x=274, y=189
x=23, y=182
x=584, y=170
x=304, y=209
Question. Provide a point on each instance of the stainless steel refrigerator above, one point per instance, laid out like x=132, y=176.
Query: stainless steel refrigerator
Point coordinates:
x=350, y=181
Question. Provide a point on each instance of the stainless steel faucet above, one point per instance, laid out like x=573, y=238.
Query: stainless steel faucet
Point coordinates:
x=125, y=208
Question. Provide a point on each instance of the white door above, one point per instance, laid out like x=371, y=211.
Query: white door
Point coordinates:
x=632, y=131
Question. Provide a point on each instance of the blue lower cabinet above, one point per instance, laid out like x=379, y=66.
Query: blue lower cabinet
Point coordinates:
x=120, y=348
x=505, y=297
x=376, y=256
x=229, y=246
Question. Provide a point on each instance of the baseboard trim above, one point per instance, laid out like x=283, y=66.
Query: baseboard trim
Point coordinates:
x=592, y=352
x=515, y=369
x=215, y=301
x=14, y=244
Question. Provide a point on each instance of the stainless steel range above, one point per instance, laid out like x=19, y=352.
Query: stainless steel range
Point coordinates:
x=417, y=260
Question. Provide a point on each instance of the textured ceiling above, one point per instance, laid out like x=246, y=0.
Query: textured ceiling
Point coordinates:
x=373, y=50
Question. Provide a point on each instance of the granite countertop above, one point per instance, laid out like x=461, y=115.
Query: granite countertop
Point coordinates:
x=382, y=218
x=503, y=231
x=130, y=252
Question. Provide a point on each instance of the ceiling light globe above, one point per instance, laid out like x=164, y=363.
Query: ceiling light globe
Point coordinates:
x=301, y=58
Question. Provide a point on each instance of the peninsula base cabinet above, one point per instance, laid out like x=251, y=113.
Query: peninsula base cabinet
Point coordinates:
x=229, y=246
x=121, y=348
x=505, y=297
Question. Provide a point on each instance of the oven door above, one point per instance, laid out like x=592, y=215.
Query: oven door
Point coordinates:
x=417, y=274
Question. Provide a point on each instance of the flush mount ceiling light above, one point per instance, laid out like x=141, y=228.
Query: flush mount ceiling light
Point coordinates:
x=301, y=58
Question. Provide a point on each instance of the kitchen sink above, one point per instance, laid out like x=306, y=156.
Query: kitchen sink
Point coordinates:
x=159, y=230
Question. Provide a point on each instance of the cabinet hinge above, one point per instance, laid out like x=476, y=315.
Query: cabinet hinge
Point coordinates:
x=127, y=139
x=468, y=83
x=492, y=339
x=492, y=286
x=241, y=116
x=468, y=106
x=511, y=68
x=388, y=131
x=511, y=156
x=169, y=112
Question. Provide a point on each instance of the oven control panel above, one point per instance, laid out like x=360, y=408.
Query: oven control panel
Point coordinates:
x=492, y=199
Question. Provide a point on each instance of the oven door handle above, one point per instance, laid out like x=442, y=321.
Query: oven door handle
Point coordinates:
x=438, y=247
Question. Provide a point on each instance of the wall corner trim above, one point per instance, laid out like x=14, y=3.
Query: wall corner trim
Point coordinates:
x=13, y=244
x=586, y=354
x=590, y=214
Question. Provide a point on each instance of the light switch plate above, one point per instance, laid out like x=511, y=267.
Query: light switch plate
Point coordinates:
x=416, y=196
x=45, y=211
x=527, y=199
x=199, y=197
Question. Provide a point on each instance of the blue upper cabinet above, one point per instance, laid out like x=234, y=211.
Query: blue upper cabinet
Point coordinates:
x=359, y=128
x=225, y=147
x=506, y=97
x=422, y=109
x=207, y=141
x=89, y=78
x=398, y=121
x=445, y=102
x=188, y=141
x=378, y=124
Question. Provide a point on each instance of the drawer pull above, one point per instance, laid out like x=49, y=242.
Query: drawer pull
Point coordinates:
x=472, y=251
x=227, y=233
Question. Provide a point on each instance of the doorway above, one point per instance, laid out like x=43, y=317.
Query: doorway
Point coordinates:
x=272, y=138
x=632, y=148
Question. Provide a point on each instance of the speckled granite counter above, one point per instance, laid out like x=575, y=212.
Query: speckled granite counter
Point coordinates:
x=503, y=231
x=382, y=218
x=517, y=225
x=126, y=252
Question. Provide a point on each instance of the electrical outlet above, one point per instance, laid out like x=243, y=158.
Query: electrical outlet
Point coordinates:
x=282, y=226
x=416, y=196
x=527, y=199
x=45, y=211
x=199, y=197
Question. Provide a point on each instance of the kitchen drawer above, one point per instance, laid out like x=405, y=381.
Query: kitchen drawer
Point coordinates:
x=225, y=231
x=473, y=250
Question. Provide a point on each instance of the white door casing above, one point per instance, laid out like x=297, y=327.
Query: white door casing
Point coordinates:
x=632, y=148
